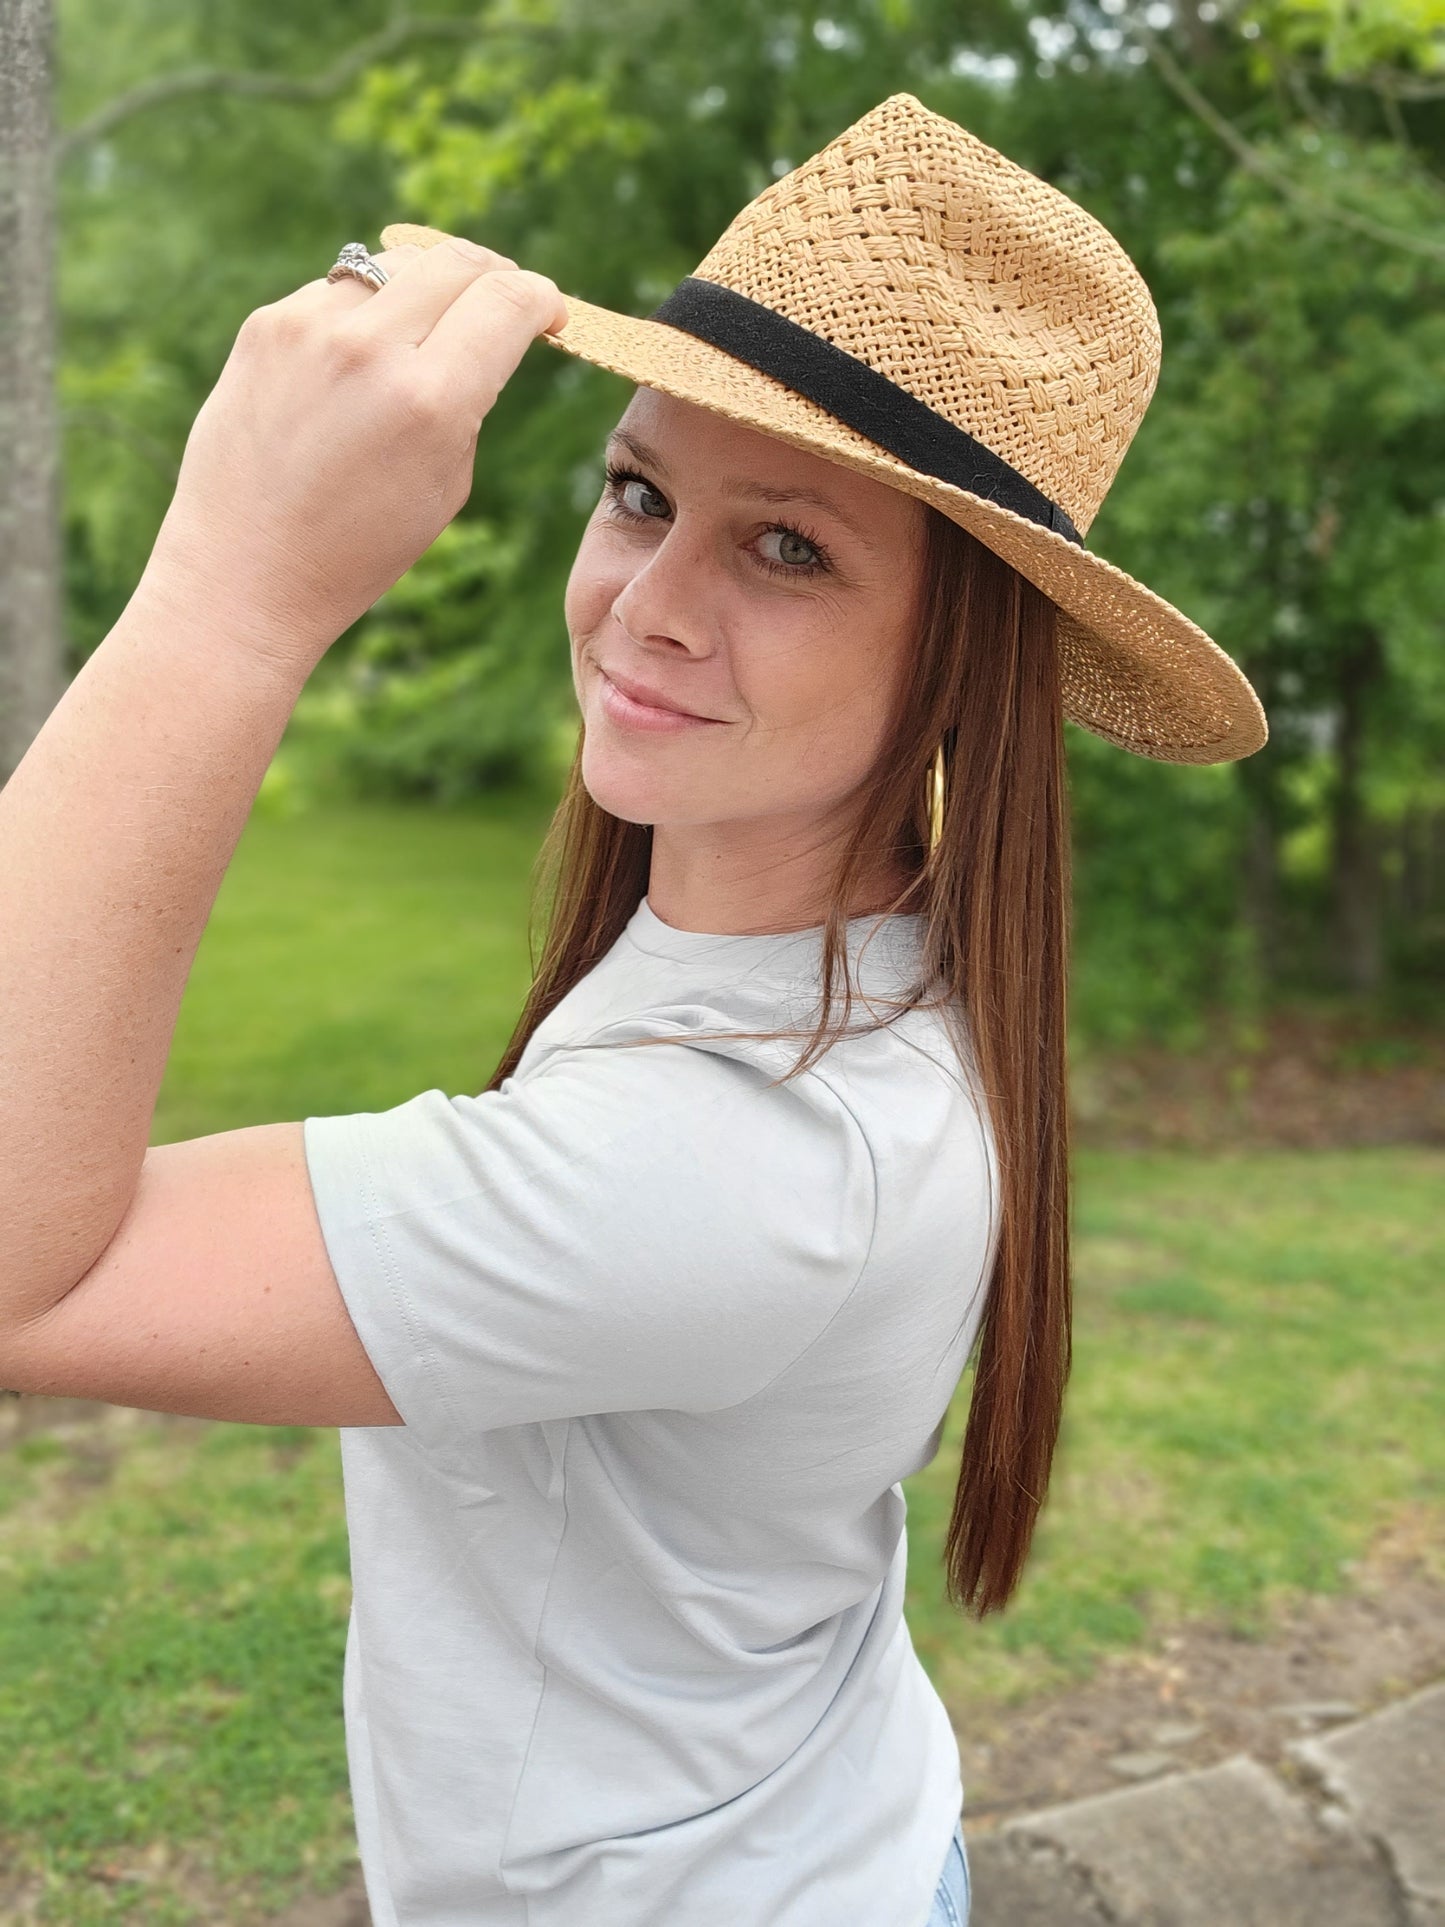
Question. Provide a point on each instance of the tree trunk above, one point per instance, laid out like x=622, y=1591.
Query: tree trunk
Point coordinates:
x=31, y=642
x=1356, y=870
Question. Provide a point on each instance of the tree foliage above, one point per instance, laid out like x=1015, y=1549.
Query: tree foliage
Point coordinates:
x=1273, y=168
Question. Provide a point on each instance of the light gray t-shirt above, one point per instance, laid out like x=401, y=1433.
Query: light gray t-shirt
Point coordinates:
x=627, y=1642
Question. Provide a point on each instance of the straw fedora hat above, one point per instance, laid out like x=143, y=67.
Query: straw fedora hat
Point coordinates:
x=913, y=305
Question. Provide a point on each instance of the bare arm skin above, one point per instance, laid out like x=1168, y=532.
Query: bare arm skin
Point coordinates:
x=192, y=1277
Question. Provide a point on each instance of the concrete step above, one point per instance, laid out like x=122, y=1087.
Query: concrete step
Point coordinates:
x=1359, y=1843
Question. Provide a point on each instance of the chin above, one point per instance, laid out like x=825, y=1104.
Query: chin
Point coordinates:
x=624, y=792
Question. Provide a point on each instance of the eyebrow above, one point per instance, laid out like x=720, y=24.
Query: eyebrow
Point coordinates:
x=741, y=490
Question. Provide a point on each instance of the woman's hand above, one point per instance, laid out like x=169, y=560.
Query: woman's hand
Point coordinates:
x=339, y=441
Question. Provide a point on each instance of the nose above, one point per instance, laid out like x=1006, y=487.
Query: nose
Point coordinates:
x=665, y=599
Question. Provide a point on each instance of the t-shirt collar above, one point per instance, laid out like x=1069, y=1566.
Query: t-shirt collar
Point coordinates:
x=892, y=951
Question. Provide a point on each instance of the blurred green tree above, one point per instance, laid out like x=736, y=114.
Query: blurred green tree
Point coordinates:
x=1285, y=489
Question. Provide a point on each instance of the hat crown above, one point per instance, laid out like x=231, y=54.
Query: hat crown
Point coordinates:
x=965, y=279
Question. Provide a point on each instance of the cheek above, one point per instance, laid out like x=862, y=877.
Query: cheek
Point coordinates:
x=839, y=686
x=592, y=588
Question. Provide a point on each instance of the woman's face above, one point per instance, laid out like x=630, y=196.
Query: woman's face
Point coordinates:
x=769, y=591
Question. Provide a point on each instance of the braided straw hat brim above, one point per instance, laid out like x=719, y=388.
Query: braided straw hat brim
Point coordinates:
x=1133, y=669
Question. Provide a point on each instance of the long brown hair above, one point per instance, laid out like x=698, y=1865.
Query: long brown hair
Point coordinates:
x=983, y=682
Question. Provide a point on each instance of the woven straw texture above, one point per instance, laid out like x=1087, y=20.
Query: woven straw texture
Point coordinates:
x=1010, y=311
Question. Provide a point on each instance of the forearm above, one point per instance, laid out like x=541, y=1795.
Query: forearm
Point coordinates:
x=115, y=832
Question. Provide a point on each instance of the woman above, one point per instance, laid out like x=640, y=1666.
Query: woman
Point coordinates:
x=632, y=1349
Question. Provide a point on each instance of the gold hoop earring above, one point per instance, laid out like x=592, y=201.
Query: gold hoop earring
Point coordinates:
x=935, y=800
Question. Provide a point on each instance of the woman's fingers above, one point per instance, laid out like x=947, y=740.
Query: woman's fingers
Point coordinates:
x=424, y=287
x=405, y=244
x=470, y=309
x=478, y=341
x=472, y=345
x=348, y=291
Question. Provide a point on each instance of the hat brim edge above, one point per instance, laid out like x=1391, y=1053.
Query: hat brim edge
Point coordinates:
x=656, y=355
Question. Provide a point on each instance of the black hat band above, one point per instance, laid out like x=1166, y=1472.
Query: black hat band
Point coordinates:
x=857, y=395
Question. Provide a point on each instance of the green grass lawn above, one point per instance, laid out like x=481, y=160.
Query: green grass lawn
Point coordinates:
x=1258, y=1351
x=354, y=957
x=1259, y=1345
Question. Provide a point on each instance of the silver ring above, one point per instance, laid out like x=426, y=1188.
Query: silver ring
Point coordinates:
x=355, y=261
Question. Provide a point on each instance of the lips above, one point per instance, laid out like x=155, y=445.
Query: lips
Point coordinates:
x=654, y=698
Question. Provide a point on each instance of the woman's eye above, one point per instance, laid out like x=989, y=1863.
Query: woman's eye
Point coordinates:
x=789, y=544
x=623, y=483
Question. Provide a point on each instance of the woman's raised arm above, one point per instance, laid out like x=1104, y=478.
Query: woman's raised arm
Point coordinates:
x=336, y=446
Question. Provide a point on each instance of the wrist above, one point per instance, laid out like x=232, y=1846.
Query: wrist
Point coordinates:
x=185, y=604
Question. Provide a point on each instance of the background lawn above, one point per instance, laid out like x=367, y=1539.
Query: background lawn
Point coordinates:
x=1258, y=1352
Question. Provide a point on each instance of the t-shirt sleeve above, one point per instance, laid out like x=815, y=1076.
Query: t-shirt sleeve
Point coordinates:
x=621, y=1230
